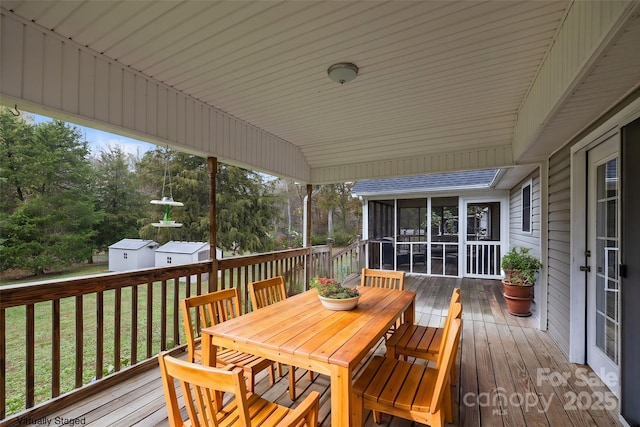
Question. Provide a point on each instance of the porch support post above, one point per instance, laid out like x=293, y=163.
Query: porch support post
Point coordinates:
x=307, y=236
x=212, y=166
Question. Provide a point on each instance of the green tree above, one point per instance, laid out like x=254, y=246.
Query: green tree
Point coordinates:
x=118, y=196
x=289, y=198
x=350, y=208
x=336, y=207
x=49, y=215
x=246, y=207
x=186, y=180
x=246, y=210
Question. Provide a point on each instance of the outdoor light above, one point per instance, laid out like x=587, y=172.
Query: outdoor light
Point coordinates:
x=342, y=72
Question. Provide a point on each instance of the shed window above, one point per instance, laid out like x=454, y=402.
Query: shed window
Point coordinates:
x=168, y=260
x=526, y=208
x=125, y=255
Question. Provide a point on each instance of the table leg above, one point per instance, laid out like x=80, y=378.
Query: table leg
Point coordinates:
x=410, y=313
x=341, y=397
x=208, y=351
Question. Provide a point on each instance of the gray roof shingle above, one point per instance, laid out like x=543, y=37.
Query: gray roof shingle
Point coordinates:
x=426, y=183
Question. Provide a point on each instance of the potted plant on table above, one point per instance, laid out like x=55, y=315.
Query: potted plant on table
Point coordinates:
x=520, y=268
x=333, y=295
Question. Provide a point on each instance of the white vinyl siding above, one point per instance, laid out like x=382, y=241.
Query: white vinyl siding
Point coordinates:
x=49, y=73
x=558, y=263
x=526, y=239
x=517, y=237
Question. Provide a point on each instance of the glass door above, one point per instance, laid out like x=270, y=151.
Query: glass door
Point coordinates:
x=603, y=290
x=482, y=239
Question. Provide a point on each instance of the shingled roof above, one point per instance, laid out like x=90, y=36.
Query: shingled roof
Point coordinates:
x=427, y=183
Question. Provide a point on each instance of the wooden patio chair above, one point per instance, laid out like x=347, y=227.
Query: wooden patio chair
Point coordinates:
x=384, y=279
x=420, y=341
x=408, y=390
x=425, y=342
x=267, y=292
x=210, y=309
x=203, y=388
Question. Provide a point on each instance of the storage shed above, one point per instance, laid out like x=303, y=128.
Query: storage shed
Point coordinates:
x=176, y=253
x=132, y=254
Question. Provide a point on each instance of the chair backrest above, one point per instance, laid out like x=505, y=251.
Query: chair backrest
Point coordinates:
x=382, y=278
x=455, y=299
x=267, y=292
x=201, y=311
x=200, y=386
x=444, y=369
x=455, y=312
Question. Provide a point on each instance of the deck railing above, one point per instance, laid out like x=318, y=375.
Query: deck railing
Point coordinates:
x=349, y=261
x=86, y=333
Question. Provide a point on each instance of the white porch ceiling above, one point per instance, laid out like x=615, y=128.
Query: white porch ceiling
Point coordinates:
x=437, y=78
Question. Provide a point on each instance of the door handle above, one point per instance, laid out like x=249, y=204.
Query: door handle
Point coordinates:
x=585, y=268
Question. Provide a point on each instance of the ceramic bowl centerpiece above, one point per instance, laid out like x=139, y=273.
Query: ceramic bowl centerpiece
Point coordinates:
x=333, y=295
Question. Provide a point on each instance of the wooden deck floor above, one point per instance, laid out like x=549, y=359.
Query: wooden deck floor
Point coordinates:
x=511, y=374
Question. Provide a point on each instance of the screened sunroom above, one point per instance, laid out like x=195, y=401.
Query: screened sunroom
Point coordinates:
x=453, y=224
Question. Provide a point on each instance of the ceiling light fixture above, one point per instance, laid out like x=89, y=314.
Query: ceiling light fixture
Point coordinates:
x=342, y=72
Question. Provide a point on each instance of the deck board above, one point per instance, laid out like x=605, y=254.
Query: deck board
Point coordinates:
x=499, y=353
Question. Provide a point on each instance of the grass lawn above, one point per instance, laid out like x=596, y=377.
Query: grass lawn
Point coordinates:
x=16, y=343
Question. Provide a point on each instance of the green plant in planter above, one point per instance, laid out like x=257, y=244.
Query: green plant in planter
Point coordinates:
x=331, y=288
x=520, y=266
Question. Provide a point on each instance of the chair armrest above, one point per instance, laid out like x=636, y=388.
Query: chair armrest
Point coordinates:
x=307, y=411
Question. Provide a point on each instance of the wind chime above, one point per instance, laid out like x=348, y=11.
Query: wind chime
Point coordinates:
x=167, y=202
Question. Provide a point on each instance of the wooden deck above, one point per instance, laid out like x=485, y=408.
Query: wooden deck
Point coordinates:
x=510, y=373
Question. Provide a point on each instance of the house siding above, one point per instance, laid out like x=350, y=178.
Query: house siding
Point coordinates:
x=517, y=237
x=558, y=261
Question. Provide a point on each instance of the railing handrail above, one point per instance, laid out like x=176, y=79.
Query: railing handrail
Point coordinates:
x=50, y=290
x=243, y=260
x=349, y=248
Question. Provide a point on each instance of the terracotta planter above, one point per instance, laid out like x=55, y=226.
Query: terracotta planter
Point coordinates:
x=339, y=304
x=517, y=291
x=518, y=298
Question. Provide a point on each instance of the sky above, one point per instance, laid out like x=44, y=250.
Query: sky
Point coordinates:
x=99, y=140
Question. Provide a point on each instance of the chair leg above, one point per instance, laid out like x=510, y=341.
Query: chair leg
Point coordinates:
x=437, y=420
x=454, y=375
x=447, y=405
x=377, y=418
x=310, y=373
x=358, y=410
x=251, y=382
x=272, y=375
x=279, y=369
x=292, y=382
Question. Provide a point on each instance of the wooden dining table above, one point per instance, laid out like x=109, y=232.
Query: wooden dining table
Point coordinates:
x=299, y=331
